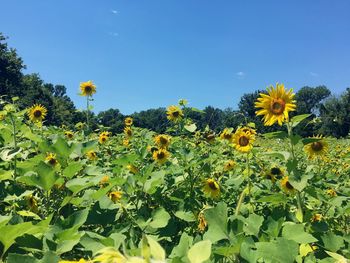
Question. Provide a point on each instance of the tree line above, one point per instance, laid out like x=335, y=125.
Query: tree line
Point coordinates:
x=330, y=114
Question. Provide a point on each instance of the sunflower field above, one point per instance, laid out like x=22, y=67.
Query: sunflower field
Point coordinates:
x=70, y=194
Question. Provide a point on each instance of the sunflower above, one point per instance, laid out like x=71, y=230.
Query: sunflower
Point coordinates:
x=32, y=203
x=51, y=159
x=316, y=218
x=152, y=149
x=161, y=156
x=132, y=168
x=209, y=137
x=37, y=113
x=104, y=180
x=229, y=165
x=115, y=196
x=128, y=131
x=74, y=261
x=316, y=149
x=331, y=192
x=273, y=173
x=128, y=121
x=275, y=105
x=226, y=134
x=249, y=130
x=243, y=141
x=80, y=125
x=103, y=137
x=202, y=223
x=87, y=88
x=126, y=142
x=91, y=155
x=286, y=186
x=162, y=140
x=211, y=188
x=174, y=113
x=69, y=134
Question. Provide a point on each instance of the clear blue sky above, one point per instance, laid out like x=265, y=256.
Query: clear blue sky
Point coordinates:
x=150, y=53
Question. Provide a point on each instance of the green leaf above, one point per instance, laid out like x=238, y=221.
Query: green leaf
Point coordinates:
x=252, y=224
x=186, y=216
x=296, y=232
x=8, y=154
x=276, y=198
x=5, y=175
x=200, y=252
x=280, y=250
x=157, y=252
x=277, y=134
x=156, y=180
x=299, y=118
x=160, y=218
x=332, y=242
x=217, y=223
x=191, y=128
x=310, y=140
x=72, y=169
x=181, y=249
x=45, y=176
x=15, y=258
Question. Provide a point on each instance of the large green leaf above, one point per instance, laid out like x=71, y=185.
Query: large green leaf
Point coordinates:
x=280, y=250
x=332, y=242
x=160, y=218
x=217, y=223
x=252, y=224
x=44, y=176
x=296, y=232
x=199, y=252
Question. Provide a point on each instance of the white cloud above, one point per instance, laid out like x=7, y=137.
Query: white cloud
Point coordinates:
x=240, y=74
x=114, y=11
x=313, y=74
x=113, y=34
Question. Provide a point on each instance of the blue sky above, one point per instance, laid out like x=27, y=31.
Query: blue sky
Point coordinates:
x=150, y=53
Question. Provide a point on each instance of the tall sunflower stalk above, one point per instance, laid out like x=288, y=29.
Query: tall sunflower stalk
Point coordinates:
x=275, y=107
x=87, y=89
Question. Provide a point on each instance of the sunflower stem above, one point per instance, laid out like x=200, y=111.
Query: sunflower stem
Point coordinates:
x=240, y=201
x=87, y=113
x=14, y=132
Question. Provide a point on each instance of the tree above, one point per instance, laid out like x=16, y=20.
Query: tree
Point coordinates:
x=308, y=99
x=153, y=119
x=113, y=119
x=11, y=66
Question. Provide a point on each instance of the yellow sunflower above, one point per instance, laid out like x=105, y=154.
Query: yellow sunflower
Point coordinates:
x=69, y=134
x=202, y=223
x=103, y=137
x=162, y=140
x=174, y=113
x=161, y=156
x=87, y=88
x=331, y=192
x=316, y=149
x=273, y=173
x=104, y=180
x=32, y=203
x=51, y=159
x=37, y=113
x=128, y=131
x=229, y=165
x=126, y=142
x=74, y=261
x=275, y=105
x=128, y=121
x=286, y=186
x=152, y=149
x=316, y=218
x=132, y=168
x=80, y=125
x=115, y=196
x=227, y=134
x=243, y=141
x=249, y=130
x=91, y=155
x=211, y=188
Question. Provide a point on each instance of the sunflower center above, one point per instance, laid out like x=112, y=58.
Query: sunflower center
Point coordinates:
x=176, y=114
x=317, y=146
x=289, y=186
x=228, y=136
x=212, y=185
x=52, y=161
x=37, y=113
x=161, y=155
x=163, y=140
x=243, y=141
x=275, y=171
x=88, y=89
x=277, y=106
